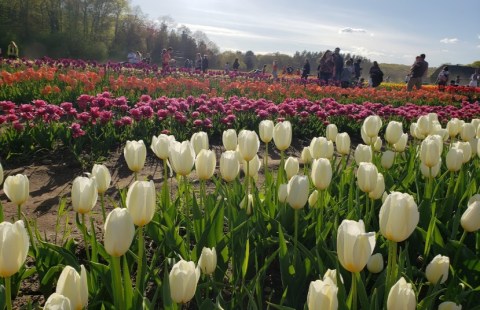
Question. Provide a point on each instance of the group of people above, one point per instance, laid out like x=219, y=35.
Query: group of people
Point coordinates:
x=12, y=51
x=137, y=57
x=199, y=64
x=444, y=76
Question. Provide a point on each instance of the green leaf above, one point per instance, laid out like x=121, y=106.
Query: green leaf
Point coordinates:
x=127, y=285
x=3, y=298
x=245, y=258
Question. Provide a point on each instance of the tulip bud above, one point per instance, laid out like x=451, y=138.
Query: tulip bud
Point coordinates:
x=371, y=126
x=363, y=153
x=57, y=302
x=118, y=233
x=449, y=305
x=282, y=135
x=367, y=175
x=393, y=132
x=135, y=154
x=387, y=159
x=332, y=274
x=208, y=261
x=401, y=296
x=398, y=216
x=14, y=246
x=265, y=130
x=430, y=151
x=283, y=192
x=141, y=202
x=375, y=263
x=1, y=173
x=424, y=125
x=377, y=146
x=437, y=270
x=248, y=144
x=466, y=148
x=84, y=194
x=229, y=139
x=454, y=159
x=354, y=245
x=102, y=178
x=468, y=131
x=430, y=172
x=306, y=155
x=229, y=165
x=322, y=295
x=74, y=286
x=297, y=191
x=401, y=144
x=247, y=203
x=183, y=280
x=342, y=141
x=321, y=173
x=199, y=141
x=161, y=145
x=205, y=164
x=331, y=132
x=291, y=167
x=182, y=157
x=17, y=188
x=312, y=199
x=454, y=126
x=377, y=193
x=321, y=148
x=470, y=219
x=253, y=166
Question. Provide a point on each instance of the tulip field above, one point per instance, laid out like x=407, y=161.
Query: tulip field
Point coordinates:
x=281, y=194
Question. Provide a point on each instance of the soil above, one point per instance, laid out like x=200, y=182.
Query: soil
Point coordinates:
x=51, y=179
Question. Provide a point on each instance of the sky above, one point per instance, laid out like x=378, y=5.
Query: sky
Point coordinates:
x=388, y=31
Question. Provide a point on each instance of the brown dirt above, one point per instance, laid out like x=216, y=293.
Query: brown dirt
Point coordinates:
x=51, y=179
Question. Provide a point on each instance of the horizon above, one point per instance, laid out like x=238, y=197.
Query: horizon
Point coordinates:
x=388, y=32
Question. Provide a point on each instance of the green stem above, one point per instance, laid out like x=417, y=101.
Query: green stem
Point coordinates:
x=19, y=212
x=8, y=293
x=247, y=185
x=295, y=237
x=202, y=201
x=165, y=185
x=265, y=163
x=230, y=222
x=320, y=215
x=187, y=212
x=85, y=236
x=391, y=267
x=102, y=204
x=135, y=176
x=141, y=251
x=353, y=292
x=117, y=284
x=1, y=212
x=367, y=212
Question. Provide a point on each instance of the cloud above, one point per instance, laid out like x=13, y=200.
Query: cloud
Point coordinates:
x=360, y=50
x=352, y=30
x=449, y=40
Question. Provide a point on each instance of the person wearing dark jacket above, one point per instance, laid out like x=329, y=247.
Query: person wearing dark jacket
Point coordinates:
x=204, y=64
x=376, y=75
x=306, y=69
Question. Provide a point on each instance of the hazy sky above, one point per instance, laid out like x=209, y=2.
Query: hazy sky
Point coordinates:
x=389, y=31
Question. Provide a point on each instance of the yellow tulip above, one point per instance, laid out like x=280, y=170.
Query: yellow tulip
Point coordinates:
x=84, y=194
x=74, y=286
x=17, y=188
x=118, y=232
x=140, y=202
x=135, y=154
x=354, y=245
x=14, y=246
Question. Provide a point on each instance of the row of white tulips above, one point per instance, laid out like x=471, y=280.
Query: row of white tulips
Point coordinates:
x=398, y=216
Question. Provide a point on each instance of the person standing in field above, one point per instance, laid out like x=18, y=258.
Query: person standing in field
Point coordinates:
x=275, y=70
x=474, y=79
x=357, y=69
x=347, y=74
x=376, y=75
x=235, y=65
x=417, y=72
x=338, y=60
x=204, y=64
x=12, y=50
x=326, y=66
x=442, y=78
x=198, y=62
x=306, y=69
